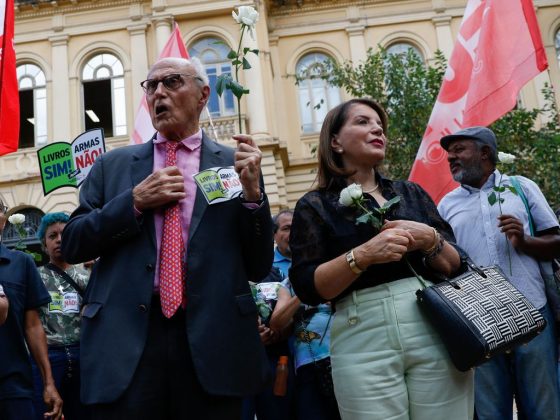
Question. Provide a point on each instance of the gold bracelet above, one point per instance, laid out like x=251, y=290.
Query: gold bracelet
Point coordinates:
x=436, y=243
x=352, y=262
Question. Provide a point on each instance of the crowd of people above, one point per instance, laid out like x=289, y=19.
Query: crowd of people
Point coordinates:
x=192, y=312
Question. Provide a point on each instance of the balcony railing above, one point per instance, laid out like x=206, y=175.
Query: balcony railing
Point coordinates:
x=222, y=128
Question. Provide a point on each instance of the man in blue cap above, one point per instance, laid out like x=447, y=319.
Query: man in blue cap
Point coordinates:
x=495, y=234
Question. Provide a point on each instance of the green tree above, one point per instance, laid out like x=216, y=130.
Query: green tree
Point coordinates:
x=407, y=88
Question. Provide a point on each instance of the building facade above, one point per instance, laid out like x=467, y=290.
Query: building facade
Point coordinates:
x=80, y=64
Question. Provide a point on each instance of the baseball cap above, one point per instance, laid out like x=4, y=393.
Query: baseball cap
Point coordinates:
x=481, y=134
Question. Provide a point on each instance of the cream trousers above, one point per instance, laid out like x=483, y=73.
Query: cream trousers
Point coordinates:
x=389, y=364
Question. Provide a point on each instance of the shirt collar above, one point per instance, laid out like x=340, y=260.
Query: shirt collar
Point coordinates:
x=279, y=257
x=192, y=142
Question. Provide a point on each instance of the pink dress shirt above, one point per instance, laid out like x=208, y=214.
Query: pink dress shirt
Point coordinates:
x=188, y=162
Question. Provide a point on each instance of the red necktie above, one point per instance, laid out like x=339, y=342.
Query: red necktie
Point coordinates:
x=171, y=267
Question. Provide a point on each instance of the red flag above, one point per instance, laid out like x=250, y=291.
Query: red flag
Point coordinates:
x=498, y=50
x=143, y=128
x=9, y=93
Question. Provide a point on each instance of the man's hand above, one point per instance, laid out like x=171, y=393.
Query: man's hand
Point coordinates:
x=159, y=188
x=267, y=335
x=513, y=229
x=53, y=402
x=248, y=166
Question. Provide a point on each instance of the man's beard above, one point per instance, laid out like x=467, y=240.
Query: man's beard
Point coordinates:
x=469, y=175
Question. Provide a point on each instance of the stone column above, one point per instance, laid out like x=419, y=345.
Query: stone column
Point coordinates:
x=60, y=116
x=163, y=31
x=358, y=51
x=443, y=33
x=139, y=60
x=254, y=81
x=356, y=39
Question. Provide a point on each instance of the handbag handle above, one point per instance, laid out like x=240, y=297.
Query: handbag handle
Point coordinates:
x=470, y=263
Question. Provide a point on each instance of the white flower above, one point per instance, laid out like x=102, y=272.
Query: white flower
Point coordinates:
x=350, y=194
x=247, y=16
x=505, y=157
x=16, y=219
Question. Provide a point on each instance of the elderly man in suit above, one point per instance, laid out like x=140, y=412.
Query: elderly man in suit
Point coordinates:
x=170, y=326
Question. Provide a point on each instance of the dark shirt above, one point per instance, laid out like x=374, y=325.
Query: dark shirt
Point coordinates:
x=25, y=290
x=323, y=229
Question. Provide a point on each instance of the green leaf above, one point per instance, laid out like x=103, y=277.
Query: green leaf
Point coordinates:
x=232, y=54
x=246, y=65
x=375, y=222
x=513, y=190
x=237, y=89
x=246, y=50
x=236, y=62
x=502, y=200
x=222, y=83
x=364, y=218
x=255, y=51
x=391, y=202
x=492, y=198
x=500, y=189
x=219, y=42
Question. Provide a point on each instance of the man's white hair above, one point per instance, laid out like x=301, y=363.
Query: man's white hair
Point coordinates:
x=194, y=62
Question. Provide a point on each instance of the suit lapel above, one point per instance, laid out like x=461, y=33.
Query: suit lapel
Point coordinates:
x=141, y=167
x=210, y=156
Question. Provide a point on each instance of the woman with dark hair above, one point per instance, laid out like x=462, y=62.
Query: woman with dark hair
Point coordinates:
x=66, y=284
x=387, y=361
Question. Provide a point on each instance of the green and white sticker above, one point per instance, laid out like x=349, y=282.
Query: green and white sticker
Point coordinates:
x=218, y=184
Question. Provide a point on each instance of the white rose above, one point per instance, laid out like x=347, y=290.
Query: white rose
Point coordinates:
x=349, y=194
x=247, y=16
x=505, y=157
x=16, y=219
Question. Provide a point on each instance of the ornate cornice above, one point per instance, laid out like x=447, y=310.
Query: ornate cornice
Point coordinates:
x=287, y=7
x=26, y=9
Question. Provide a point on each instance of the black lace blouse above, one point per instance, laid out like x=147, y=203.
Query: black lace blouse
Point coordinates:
x=322, y=229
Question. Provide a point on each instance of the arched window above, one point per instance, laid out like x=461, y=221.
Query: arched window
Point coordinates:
x=557, y=45
x=316, y=96
x=212, y=52
x=104, y=96
x=32, y=106
x=402, y=48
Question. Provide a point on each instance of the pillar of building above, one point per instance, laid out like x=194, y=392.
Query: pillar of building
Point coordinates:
x=443, y=33
x=138, y=59
x=60, y=88
x=163, y=31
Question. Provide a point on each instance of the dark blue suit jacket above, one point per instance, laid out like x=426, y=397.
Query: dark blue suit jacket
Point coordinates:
x=228, y=246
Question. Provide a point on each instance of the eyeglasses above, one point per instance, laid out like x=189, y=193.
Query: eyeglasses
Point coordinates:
x=3, y=209
x=171, y=82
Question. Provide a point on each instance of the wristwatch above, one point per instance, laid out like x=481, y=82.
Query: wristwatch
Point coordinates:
x=2, y=294
x=352, y=262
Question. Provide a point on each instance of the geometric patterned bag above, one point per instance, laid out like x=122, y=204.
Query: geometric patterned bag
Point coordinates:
x=479, y=314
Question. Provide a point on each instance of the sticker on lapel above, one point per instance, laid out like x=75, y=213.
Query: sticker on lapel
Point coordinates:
x=218, y=184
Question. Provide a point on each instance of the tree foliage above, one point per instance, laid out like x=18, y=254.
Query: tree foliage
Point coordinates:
x=407, y=88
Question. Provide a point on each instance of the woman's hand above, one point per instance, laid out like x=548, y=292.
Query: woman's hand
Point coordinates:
x=389, y=245
x=424, y=236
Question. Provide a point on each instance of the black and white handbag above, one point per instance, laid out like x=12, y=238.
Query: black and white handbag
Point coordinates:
x=479, y=314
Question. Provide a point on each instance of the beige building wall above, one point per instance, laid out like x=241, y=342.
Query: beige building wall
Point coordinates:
x=61, y=36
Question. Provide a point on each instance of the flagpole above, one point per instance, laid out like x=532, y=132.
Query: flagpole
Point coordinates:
x=211, y=123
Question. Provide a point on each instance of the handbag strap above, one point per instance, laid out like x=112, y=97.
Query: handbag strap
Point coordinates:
x=515, y=183
x=66, y=277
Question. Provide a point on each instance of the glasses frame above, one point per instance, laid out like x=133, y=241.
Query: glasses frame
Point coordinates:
x=4, y=208
x=148, y=91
